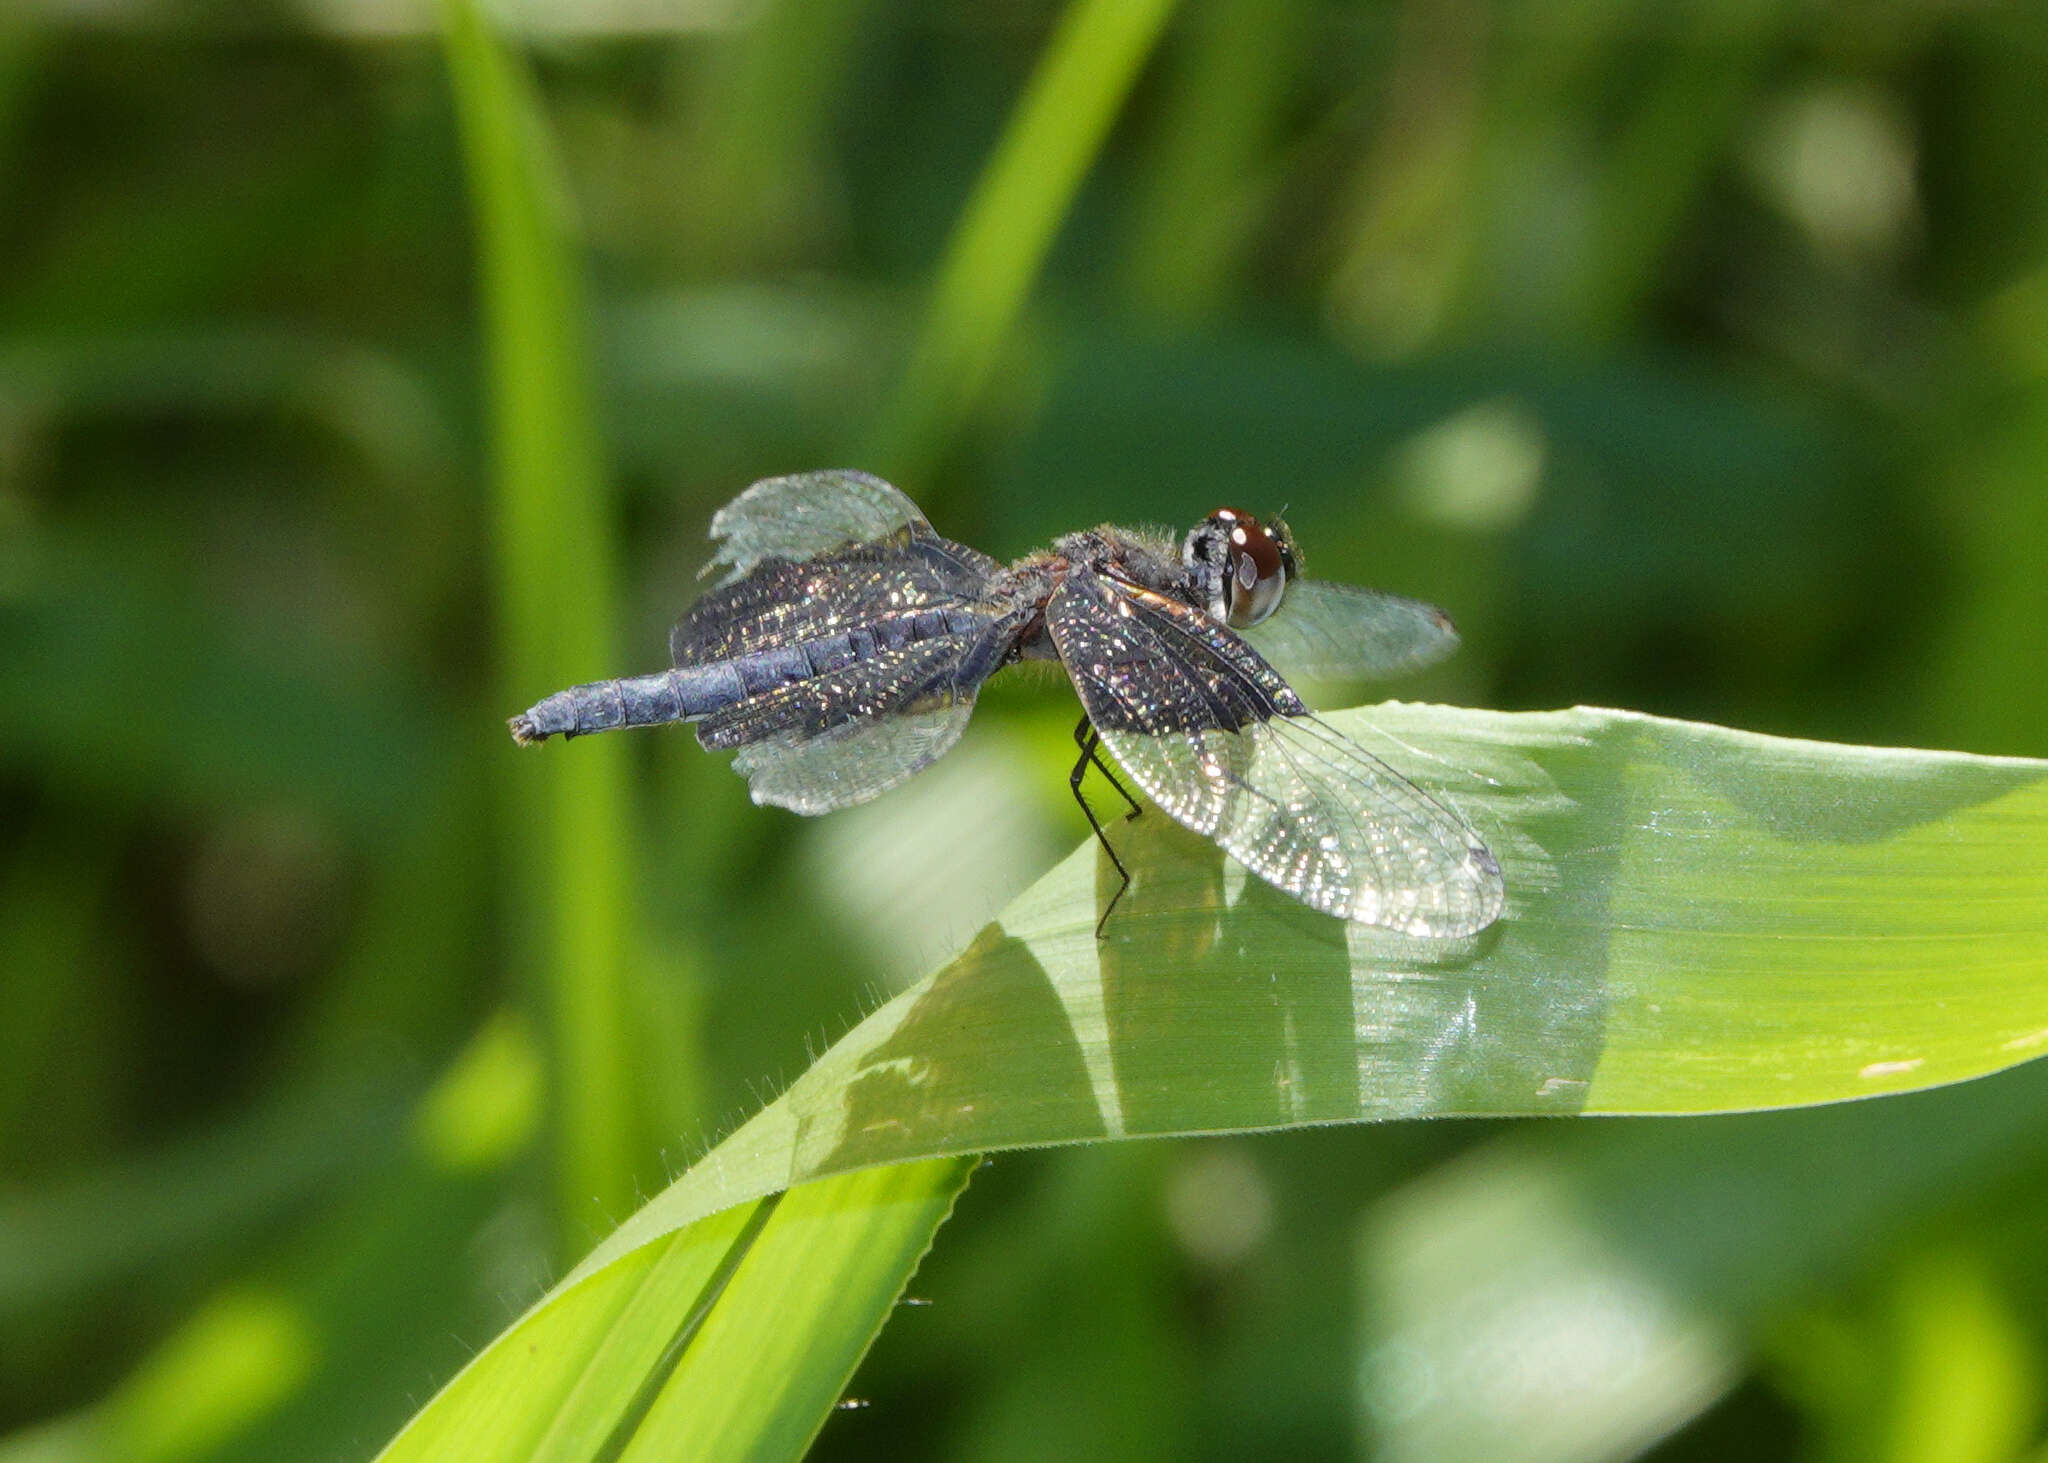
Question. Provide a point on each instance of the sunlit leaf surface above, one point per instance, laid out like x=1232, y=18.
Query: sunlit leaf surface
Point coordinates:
x=1699, y=920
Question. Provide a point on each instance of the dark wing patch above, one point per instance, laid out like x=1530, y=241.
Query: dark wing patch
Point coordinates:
x=1227, y=749
x=922, y=674
x=781, y=602
x=851, y=734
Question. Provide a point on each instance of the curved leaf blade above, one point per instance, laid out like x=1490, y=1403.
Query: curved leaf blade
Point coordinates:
x=1699, y=920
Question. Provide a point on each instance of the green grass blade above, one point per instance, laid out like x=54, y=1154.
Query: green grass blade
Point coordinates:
x=555, y=583
x=1019, y=201
x=1700, y=920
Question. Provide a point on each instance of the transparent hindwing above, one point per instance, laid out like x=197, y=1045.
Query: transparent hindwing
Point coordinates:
x=852, y=762
x=806, y=514
x=851, y=735
x=1339, y=632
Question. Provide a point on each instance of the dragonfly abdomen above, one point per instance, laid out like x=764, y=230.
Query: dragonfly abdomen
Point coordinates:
x=829, y=653
x=693, y=692
x=687, y=693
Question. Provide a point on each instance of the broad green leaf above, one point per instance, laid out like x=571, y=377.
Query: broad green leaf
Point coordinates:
x=1700, y=920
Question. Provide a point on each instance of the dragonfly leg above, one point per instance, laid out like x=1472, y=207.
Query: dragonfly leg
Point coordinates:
x=1084, y=737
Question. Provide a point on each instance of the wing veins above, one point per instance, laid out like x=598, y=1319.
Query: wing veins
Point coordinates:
x=1162, y=616
x=1326, y=820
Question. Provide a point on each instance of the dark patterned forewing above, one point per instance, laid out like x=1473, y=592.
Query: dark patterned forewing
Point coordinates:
x=1227, y=749
x=782, y=602
x=1338, y=632
x=884, y=681
x=847, y=736
x=843, y=564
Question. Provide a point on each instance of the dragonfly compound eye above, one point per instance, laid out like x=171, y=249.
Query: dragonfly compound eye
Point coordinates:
x=1256, y=566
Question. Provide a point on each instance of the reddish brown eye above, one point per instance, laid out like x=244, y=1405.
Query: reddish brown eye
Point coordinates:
x=1255, y=569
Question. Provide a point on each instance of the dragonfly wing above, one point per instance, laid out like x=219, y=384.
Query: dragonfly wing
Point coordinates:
x=1226, y=748
x=851, y=762
x=842, y=738
x=807, y=514
x=814, y=555
x=780, y=603
x=1338, y=632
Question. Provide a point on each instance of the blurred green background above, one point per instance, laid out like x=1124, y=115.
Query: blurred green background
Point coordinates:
x=1695, y=357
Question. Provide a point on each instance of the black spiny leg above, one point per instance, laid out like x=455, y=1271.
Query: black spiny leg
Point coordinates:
x=1086, y=739
x=1088, y=742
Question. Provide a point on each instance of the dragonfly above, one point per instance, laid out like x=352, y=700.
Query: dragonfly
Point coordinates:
x=842, y=648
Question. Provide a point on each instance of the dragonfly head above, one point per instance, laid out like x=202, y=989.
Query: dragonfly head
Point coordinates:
x=1240, y=564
